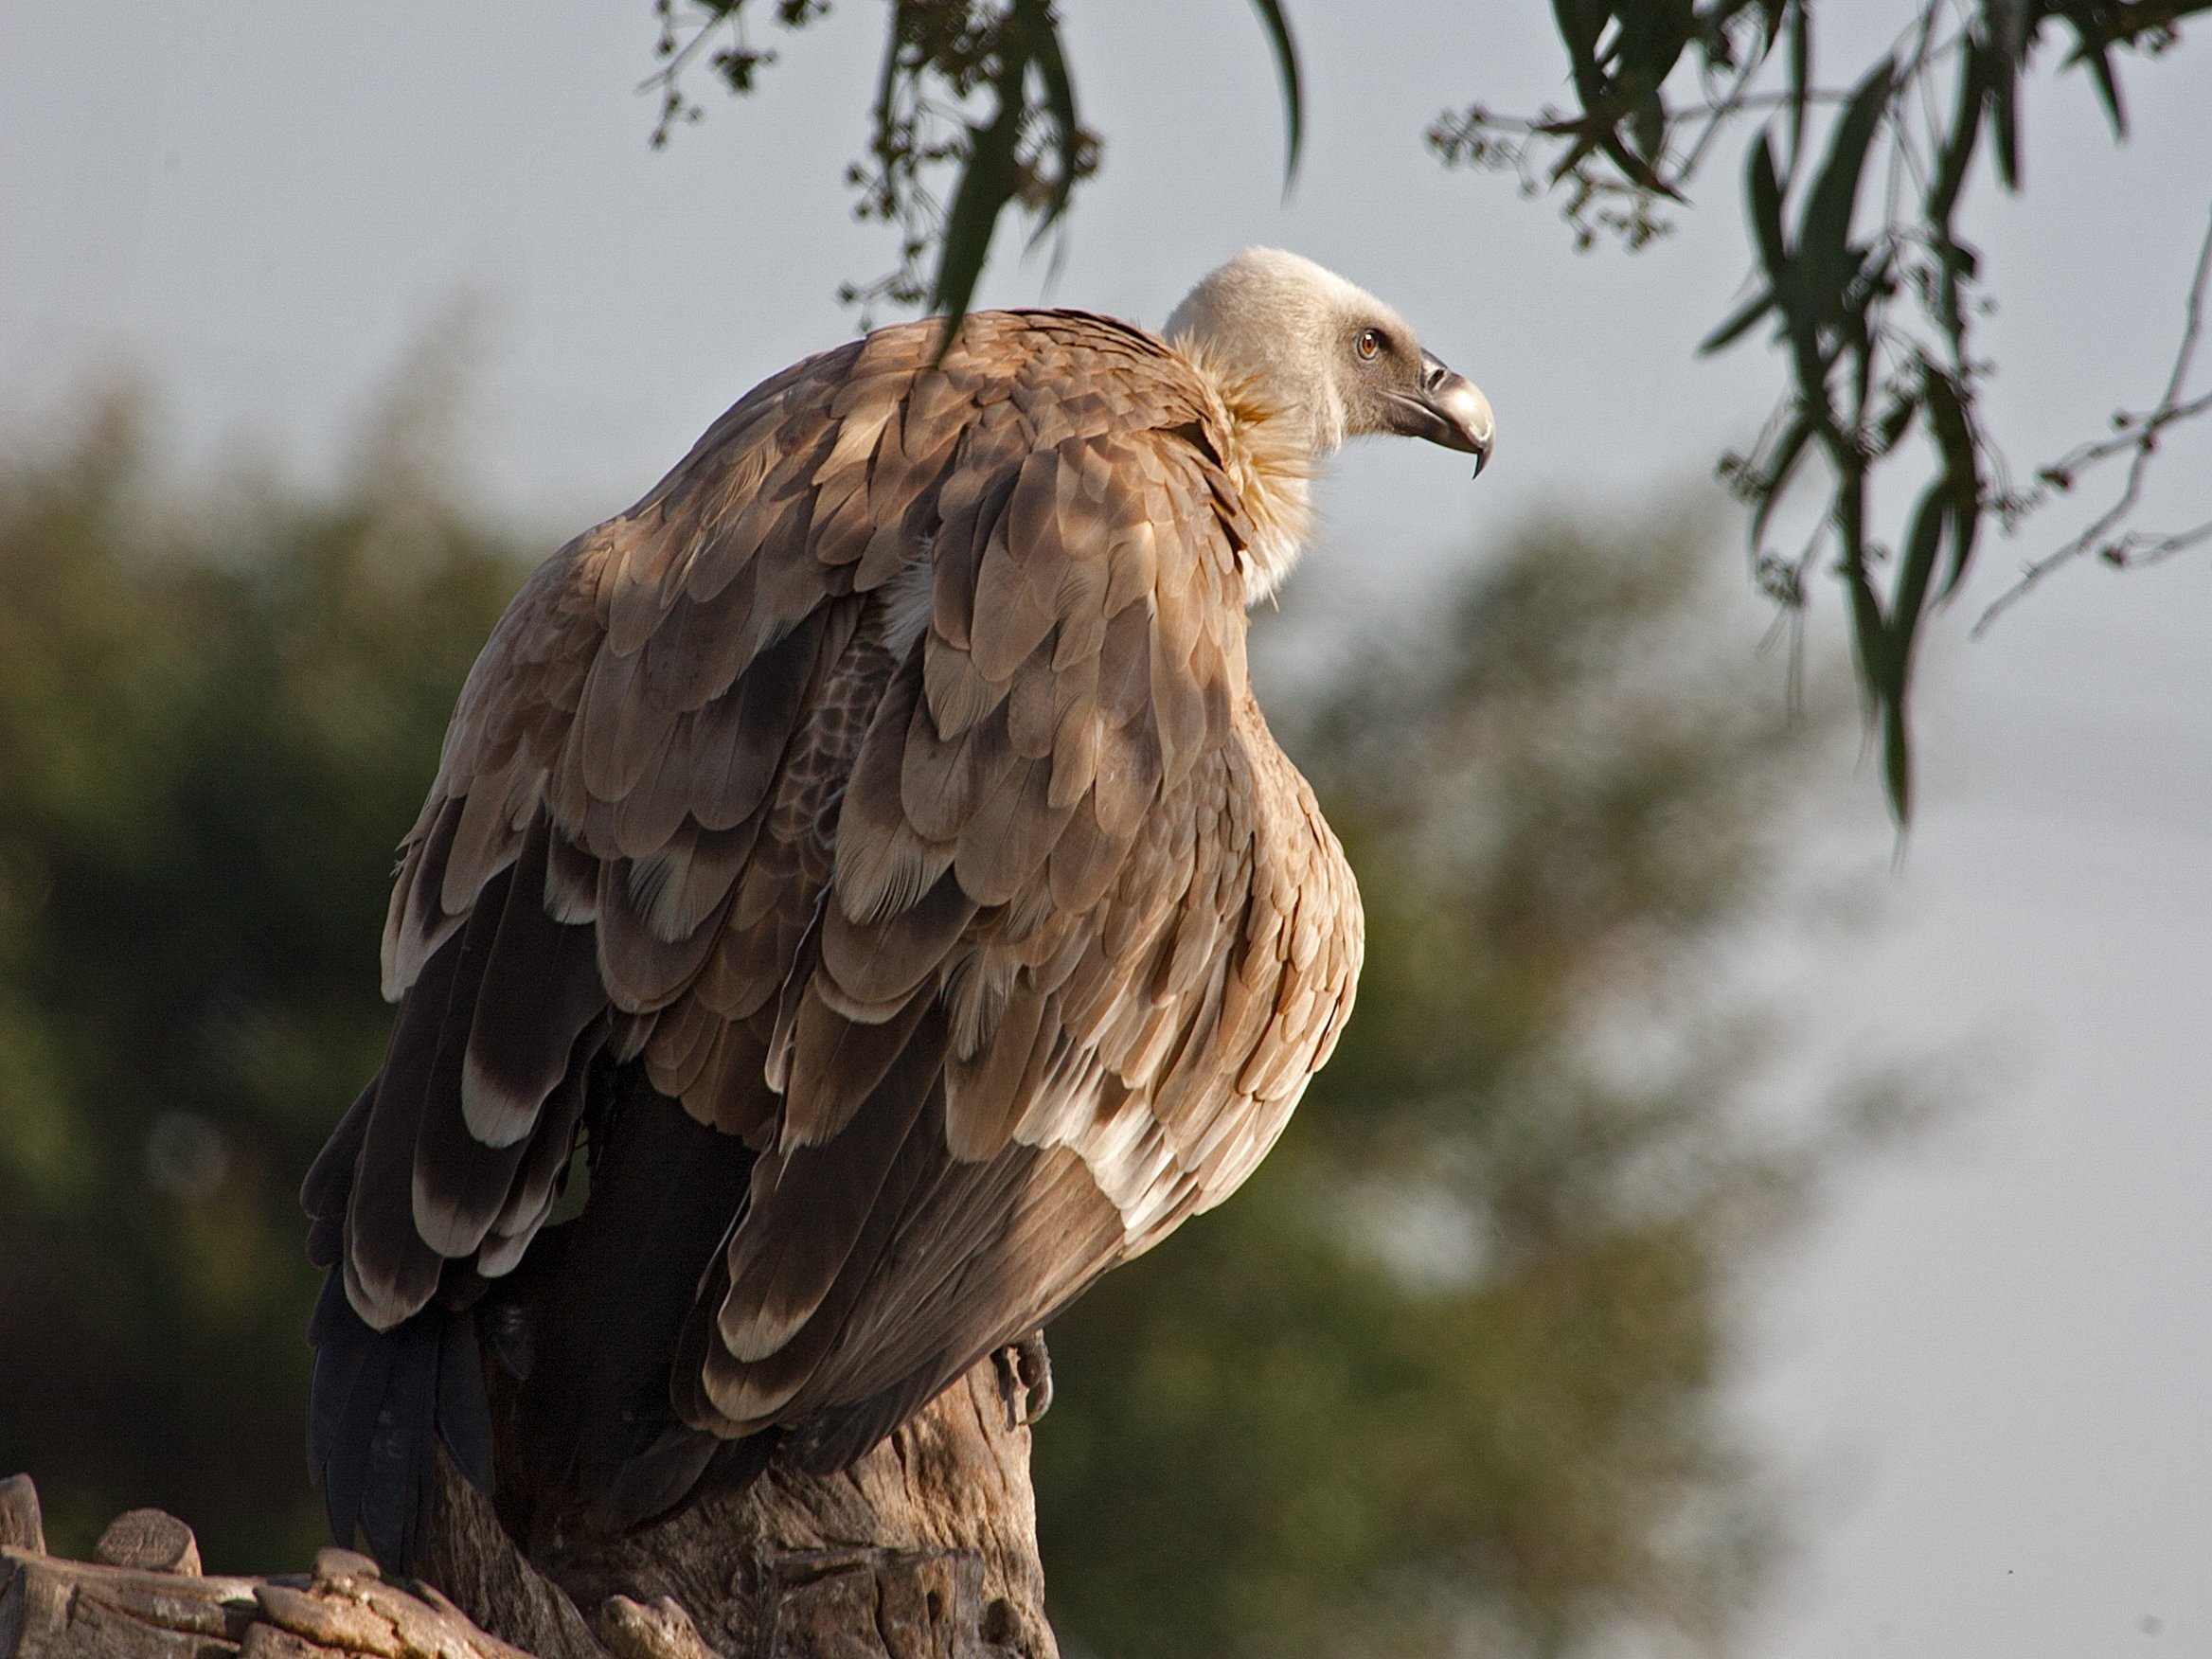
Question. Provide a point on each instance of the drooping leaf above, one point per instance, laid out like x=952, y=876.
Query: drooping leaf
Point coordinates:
x=1962, y=470
x=1824, y=234
x=1762, y=191
x=1896, y=762
x=986, y=187
x=1908, y=601
x=1887, y=646
x=2108, y=86
x=1286, y=66
x=1639, y=172
x=1895, y=421
x=2094, y=49
x=1786, y=454
x=2003, y=44
x=1059, y=104
x=1580, y=23
x=1870, y=647
x=1653, y=37
x=1800, y=78
x=1958, y=149
x=1647, y=125
x=1738, y=323
x=1869, y=626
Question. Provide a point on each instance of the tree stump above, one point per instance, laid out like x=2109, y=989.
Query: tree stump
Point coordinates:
x=53, y=1608
x=924, y=1549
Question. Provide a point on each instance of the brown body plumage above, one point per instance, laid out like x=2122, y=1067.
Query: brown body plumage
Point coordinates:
x=886, y=790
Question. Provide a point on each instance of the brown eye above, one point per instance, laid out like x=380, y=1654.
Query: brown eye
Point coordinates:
x=1370, y=343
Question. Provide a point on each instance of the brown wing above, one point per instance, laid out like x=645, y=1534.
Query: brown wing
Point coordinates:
x=887, y=781
x=1086, y=939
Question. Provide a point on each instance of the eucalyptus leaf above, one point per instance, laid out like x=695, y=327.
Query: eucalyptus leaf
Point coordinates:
x=1909, y=600
x=2092, y=48
x=1869, y=626
x=1962, y=476
x=1824, y=233
x=1059, y=104
x=1787, y=453
x=1286, y=64
x=1738, y=322
x=1801, y=77
x=987, y=185
x=1762, y=191
x=2001, y=56
x=1896, y=761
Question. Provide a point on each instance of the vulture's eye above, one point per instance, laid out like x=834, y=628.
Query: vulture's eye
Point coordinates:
x=1368, y=345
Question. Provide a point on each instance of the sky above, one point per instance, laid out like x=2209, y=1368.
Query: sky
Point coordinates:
x=1987, y=1360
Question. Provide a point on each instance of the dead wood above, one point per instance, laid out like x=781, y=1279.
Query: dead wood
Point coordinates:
x=925, y=1549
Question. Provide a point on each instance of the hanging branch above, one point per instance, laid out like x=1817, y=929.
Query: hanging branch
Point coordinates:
x=1870, y=311
x=716, y=27
x=2137, y=436
x=1872, y=317
x=974, y=116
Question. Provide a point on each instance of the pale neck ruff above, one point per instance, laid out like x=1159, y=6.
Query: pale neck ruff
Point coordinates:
x=1270, y=455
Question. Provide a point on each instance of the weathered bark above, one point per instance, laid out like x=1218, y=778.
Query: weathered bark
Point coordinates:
x=925, y=1549
x=53, y=1608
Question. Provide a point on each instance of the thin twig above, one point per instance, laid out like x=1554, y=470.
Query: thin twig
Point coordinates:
x=2144, y=440
x=1716, y=115
x=2133, y=430
x=2140, y=547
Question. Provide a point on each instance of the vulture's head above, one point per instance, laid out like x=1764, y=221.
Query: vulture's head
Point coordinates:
x=1315, y=350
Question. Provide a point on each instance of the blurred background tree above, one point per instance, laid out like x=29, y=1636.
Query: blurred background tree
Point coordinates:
x=1457, y=1364
x=217, y=711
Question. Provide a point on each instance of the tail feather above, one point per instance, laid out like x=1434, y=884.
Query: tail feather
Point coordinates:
x=353, y=1367
x=333, y=1331
x=464, y=1411
x=380, y=1401
x=393, y=1506
x=598, y=1441
x=588, y=1434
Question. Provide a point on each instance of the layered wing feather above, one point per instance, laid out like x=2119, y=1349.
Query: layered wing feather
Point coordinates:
x=887, y=782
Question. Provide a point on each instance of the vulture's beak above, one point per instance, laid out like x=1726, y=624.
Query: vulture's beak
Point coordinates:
x=1448, y=409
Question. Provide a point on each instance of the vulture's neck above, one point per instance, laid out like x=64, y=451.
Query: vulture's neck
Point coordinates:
x=1271, y=454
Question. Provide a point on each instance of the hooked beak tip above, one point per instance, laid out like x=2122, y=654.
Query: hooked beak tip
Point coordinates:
x=1466, y=413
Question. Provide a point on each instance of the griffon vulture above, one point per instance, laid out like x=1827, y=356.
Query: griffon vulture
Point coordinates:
x=860, y=871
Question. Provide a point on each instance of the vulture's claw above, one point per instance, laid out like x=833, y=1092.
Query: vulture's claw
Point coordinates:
x=1025, y=1375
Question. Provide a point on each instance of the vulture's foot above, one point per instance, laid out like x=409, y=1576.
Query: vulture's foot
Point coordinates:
x=1025, y=1375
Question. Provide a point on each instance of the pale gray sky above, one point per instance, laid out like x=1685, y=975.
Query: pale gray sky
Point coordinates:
x=1993, y=1360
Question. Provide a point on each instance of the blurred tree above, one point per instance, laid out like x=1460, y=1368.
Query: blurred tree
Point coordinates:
x=217, y=717
x=1455, y=1360
x=1449, y=1374
x=1871, y=313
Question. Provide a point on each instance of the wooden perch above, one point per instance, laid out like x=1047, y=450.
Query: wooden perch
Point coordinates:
x=925, y=1549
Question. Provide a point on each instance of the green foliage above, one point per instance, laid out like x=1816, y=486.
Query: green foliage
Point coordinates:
x=1447, y=1375
x=1025, y=152
x=1872, y=314
x=217, y=718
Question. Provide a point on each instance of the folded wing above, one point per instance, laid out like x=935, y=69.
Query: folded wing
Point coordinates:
x=885, y=787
